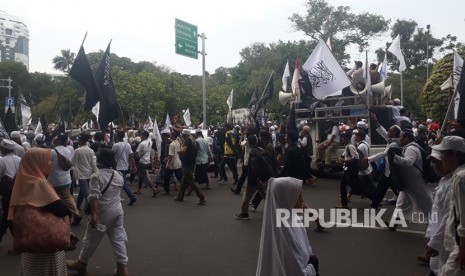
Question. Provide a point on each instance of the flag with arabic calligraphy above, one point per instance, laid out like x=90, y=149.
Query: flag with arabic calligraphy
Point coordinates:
x=324, y=72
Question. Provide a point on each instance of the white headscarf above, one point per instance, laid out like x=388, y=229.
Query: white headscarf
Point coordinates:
x=284, y=250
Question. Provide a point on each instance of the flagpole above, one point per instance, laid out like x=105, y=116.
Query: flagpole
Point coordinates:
x=401, y=90
x=263, y=93
x=444, y=122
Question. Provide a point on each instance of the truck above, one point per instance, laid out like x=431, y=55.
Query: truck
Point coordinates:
x=341, y=109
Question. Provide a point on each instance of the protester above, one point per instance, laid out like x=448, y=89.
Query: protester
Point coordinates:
x=124, y=161
x=107, y=215
x=9, y=164
x=284, y=250
x=202, y=160
x=32, y=189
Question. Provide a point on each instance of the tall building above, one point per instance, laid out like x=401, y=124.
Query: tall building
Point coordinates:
x=14, y=39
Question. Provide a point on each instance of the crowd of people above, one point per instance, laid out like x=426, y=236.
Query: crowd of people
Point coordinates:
x=275, y=159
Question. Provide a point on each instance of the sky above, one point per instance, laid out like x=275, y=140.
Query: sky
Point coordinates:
x=143, y=30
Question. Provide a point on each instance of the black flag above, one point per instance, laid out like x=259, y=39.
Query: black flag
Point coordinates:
x=109, y=107
x=82, y=73
x=9, y=121
x=461, y=93
x=267, y=94
x=3, y=133
x=253, y=100
x=291, y=119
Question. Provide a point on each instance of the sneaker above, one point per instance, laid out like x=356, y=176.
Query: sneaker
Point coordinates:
x=241, y=216
x=76, y=265
x=252, y=208
x=132, y=201
x=423, y=259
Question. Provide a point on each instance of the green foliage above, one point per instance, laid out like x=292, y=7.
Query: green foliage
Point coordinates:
x=434, y=101
x=64, y=61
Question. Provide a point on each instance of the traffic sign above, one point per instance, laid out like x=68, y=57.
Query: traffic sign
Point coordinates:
x=10, y=102
x=186, y=39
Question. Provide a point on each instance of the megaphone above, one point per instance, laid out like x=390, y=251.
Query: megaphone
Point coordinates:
x=284, y=98
x=358, y=86
x=378, y=89
x=388, y=92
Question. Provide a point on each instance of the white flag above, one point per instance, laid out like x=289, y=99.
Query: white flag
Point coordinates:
x=395, y=50
x=148, y=124
x=325, y=73
x=447, y=84
x=200, y=126
x=458, y=64
x=25, y=115
x=157, y=136
x=187, y=117
x=295, y=82
x=85, y=126
x=328, y=42
x=229, y=101
x=383, y=68
x=286, y=75
x=38, y=128
x=96, y=110
x=167, y=122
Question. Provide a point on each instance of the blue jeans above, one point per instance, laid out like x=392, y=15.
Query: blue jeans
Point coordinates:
x=126, y=188
x=83, y=193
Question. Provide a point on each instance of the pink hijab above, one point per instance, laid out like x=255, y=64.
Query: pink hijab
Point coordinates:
x=31, y=186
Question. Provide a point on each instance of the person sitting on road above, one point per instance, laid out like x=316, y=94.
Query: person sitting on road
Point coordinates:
x=284, y=250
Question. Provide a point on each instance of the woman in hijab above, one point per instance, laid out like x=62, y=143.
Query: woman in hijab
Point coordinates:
x=284, y=250
x=32, y=188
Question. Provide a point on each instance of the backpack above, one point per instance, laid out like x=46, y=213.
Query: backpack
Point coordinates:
x=63, y=162
x=426, y=171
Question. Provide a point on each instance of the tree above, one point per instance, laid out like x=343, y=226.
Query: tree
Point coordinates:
x=64, y=61
x=340, y=25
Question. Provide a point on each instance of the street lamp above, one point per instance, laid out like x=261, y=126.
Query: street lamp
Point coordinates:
x=427, y=51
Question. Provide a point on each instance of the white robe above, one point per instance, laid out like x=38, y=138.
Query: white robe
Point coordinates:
x=283, y=250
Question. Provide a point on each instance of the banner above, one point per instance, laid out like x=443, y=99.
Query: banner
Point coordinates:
x=286, y=75
x=187, y=117
x=81, y=72
x=458, y=64
x=157, y=136
x=324, y=72
x=396, y=50
x=25, y=115
x=229, y=101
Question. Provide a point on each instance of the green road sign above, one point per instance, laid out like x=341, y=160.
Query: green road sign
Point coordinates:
x=186, y=39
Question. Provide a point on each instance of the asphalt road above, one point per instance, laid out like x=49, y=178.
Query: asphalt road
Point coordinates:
x=181, y=238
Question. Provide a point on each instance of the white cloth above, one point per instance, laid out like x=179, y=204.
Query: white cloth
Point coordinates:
x=175, y=162
x=19, y=150
x=122, y=152
x=416, y=190
x=110, y=214
x=435, y=230
x=9, y=165
x=457, y=195
x=335, y=133
x=84, y=162
x=245, y=145
x=203, y=154
x=283, y=250
x=143, y=150
x=365, y=149
x=59, y=177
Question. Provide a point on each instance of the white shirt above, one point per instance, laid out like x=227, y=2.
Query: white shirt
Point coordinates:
x=203, y=153
x=59, y=177
x=84, y=162
x=9, y=165
x=457, y=196
x=173, y=152
x=365, y=149
x=122, y=152
x=335, y=133
x=143, y=150
x=110, y=201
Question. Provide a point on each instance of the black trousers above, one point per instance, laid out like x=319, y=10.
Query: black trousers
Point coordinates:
x=349, y=179
x=231, y=161
x=168, y=174
x=383, y=184
x=242, y=178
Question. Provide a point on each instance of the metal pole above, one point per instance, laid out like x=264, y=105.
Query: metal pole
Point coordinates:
x=401, y=90
x=204, y=92
x=9, y=86
x=427, y=51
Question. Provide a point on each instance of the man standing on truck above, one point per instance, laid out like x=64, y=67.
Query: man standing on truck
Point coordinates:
x=328, y=146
